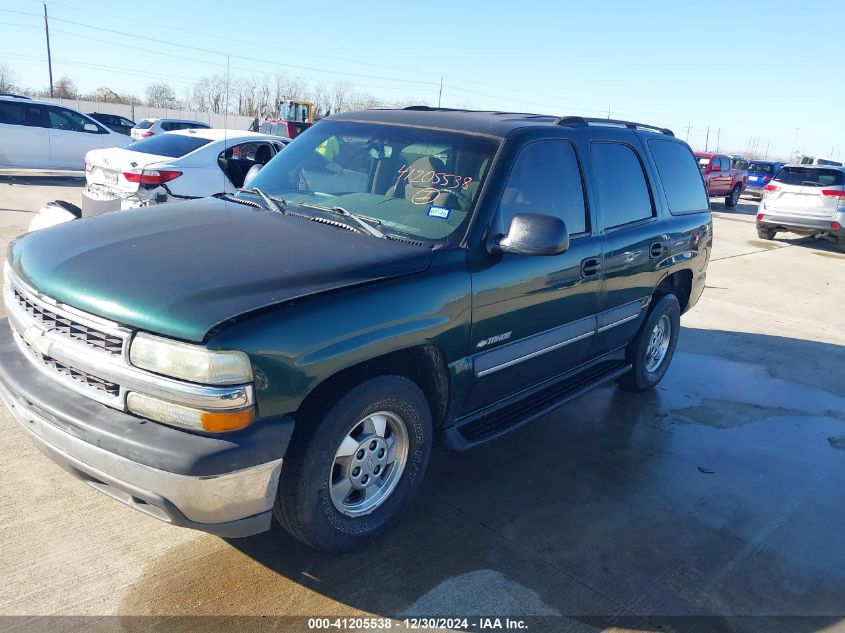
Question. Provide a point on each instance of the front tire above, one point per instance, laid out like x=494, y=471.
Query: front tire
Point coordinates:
x=350, y=474
x=732, y=199
x=654, y=346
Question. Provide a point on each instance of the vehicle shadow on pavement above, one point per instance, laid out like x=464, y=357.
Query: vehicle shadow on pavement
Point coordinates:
x=709, y=504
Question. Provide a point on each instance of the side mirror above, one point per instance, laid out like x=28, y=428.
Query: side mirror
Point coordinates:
x=715, y=167
x=90, y=127
x=534, y=234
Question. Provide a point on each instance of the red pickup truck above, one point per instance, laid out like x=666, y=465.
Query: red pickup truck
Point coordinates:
x=721, y=178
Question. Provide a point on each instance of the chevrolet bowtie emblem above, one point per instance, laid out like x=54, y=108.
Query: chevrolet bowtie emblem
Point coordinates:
x=37, y=340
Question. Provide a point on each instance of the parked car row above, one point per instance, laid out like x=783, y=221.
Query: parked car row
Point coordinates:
x=44, y=135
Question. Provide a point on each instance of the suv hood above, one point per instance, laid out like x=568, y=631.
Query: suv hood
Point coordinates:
x=181, y=269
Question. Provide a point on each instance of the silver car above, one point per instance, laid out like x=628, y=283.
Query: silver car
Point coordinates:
x=804, y=199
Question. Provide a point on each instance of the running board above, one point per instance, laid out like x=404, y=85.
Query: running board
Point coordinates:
x=477, y=430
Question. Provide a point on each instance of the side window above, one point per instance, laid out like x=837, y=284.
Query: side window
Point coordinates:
x=12, y=113
x=726, y=164
x=545, y=178
x=679, y=175
x=61, y=119
x=167, y=126
x=622, y=185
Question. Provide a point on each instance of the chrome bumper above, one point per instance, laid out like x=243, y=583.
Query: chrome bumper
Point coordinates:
x=230, y=504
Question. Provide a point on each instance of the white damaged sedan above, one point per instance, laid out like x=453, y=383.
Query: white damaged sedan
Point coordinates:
x=167, y=167
x=174, y=166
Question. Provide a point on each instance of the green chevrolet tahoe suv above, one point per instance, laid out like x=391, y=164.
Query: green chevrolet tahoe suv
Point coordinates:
x=392, y=279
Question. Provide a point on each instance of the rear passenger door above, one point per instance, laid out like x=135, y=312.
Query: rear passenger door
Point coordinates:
x=635, y=240
x=533, y=316
x=24, y=136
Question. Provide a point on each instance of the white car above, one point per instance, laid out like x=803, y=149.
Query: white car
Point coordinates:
x=42, y=135
x=173, y=166
x=146, y=128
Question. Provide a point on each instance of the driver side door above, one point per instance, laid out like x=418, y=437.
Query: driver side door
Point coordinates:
x=534, y=316
x=69, y=141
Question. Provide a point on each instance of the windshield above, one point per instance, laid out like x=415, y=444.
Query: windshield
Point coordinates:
x=417, y=182
x=145, y=124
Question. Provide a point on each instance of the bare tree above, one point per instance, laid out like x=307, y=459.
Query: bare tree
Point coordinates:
x=104, y=94
x=209, y=94
x=65, y=88
x=340, y=94
x=8, y=82
x=161, y=95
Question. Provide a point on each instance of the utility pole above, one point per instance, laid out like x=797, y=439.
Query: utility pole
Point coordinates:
x=49, y=58
x=689, y=125
x=769, y=142
x=795, y=143
x=707, y=140
x=718, y=134
x=608, y=112
x=440, y=93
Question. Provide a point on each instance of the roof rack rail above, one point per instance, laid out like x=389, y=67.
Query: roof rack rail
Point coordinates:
x=579, y=121
x=14, y=96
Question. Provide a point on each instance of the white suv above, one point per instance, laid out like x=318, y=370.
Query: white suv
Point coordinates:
x=44, y=135
x=146, y=128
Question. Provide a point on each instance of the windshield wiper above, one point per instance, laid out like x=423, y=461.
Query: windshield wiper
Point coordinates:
x=347, y=214
x=272, y=202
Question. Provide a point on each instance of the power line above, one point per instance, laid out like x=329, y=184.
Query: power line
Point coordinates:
x=231, y=39
x=200, y=49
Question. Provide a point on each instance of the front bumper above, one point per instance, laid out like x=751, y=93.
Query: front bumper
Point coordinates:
x=225, y=485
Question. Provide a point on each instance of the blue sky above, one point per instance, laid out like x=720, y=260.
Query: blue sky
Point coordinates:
x=754, y=70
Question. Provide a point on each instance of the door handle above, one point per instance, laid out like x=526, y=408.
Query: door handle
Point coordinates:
x=590, y=267
x=656, y=250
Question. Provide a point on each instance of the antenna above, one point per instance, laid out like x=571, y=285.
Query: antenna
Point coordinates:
x=226, y=123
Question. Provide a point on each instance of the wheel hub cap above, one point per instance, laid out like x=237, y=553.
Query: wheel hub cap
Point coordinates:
x=658, y=344
x=368, y=463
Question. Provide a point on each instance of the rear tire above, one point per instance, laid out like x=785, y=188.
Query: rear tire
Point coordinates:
x=654, y=346
x=732, y=199
x=339, y=488
x=766, y=233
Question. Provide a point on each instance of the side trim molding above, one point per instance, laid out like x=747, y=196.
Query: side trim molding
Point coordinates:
x=494, y=360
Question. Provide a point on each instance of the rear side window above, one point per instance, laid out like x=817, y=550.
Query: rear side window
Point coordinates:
x=144, y=125
x=546, y=179
x=12, y=113
x=725, y=163
x=622, y=185
x=172, y=145
x=761, y=167
x=811, y=177
x=680, y=177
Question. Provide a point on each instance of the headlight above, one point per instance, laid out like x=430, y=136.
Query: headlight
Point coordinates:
x=189, y=362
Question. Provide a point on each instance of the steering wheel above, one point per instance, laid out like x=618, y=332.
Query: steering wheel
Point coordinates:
x=460, y=195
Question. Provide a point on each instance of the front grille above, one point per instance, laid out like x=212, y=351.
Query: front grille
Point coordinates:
x=89, y=380
x=68, y=326
x=81, y=377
